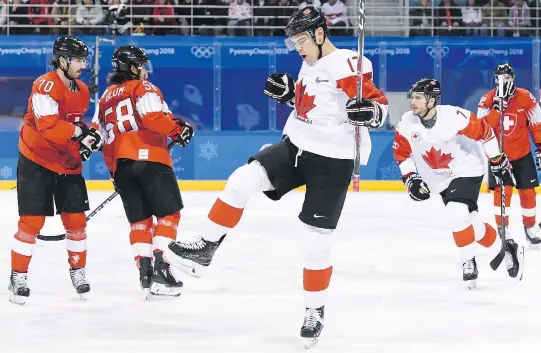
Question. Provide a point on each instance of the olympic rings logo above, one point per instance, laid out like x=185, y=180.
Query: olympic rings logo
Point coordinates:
x=437, y=52
x=202, y=52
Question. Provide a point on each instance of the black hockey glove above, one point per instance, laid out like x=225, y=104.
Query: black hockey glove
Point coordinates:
x=538, y=159
x=183, y=134
x=364, y=113
x=417, y=188
x=89, y=140
x=500, y=167
x=496, y=103
x=281, y=87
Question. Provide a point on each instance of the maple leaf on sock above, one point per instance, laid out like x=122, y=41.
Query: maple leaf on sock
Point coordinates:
x=303, y=101
x=436, y=160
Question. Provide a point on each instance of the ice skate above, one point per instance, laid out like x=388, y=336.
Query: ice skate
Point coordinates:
x=532, y=236
x=78, y=279
x=469, y=273
x=163, y=281
x=145, y=275
x=514, y=259
x=194, y=257
x=18, y=287
x=312, y=326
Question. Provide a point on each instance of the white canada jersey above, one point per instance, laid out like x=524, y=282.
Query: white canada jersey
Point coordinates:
x=319, y=122
x=448, y=150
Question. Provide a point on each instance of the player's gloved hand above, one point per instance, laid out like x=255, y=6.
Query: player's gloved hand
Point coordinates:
x=281, y=86
x=183, y=134
x=500, y=167
x=496, y=103
x=364, y=113
x=417, y=188
x=89, y=140
x=538, y=159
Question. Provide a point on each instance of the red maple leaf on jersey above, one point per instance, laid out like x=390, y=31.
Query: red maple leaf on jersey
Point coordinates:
x=436, y=160
x=303, y=101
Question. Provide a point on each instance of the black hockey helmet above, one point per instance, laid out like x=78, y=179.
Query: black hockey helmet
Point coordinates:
x=504, y=69
x=307, y=19
x=508, y=87
x=126, y=56
x=70, y=47
x=429, y=87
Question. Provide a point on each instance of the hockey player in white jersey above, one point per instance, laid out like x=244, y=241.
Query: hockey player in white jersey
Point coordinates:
x=437, y=149
x=317, y=151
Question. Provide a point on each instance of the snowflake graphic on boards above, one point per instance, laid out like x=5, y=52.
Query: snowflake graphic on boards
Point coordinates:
x=208, y=150
x=176, y=165
x=101, y=168
x=6, y=172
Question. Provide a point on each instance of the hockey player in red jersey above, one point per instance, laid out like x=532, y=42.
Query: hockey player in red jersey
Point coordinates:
x=52, y=143
x=436, y=147
x=522, y=119
x=317, y=151
x=136, y=121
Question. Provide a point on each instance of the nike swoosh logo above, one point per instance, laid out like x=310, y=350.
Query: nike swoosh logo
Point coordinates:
x=320, y=81
x=453, y=190
x=521, y=110
x=319, y=216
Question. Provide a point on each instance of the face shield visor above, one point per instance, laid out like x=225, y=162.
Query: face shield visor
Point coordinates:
x=297, y=41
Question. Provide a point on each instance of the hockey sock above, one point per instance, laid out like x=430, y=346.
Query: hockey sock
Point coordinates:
x=463, y=232
x=165, y=231
x=75, y=225
x=497, y=203
x=141, y=239
x=485, y=234
x=317, y=270
x=527, y=203
x=226, y=212
x=24, y=241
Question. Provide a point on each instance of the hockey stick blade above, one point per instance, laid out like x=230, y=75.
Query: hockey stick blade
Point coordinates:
x=92, y=214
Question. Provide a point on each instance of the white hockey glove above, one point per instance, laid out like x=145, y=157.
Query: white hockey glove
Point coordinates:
x=281, y=86
x=417, y=188
x=496, y=103
x=364, y=113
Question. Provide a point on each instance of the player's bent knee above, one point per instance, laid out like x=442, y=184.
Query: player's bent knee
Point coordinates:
x=245, y=182
x=75, y=224
x=459, y=215
x=317, y=247
x=31, y=224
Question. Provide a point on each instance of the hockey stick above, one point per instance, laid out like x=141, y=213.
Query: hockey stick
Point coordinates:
x=495, y=263
x=91, y=215
x=360, y=54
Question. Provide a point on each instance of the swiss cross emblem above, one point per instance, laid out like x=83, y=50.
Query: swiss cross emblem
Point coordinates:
x=415, y=136
x=509, y=123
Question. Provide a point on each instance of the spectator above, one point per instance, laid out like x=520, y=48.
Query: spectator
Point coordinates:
x=183, y=12
x=18, y=18
x=210, y=16
x=519, y=19
x=494, y=18
x=472, y=18
x=315, y=3
x=448, y=18
x=39, y=16
x=141, y=14
x=89, y=14
x=4, y=8
x=335, y=12
x=117, y=16
x=281, y=15
x=163, y=16
x=422, y=19
x=63, y=14
x=263, y=16
x=240, y=15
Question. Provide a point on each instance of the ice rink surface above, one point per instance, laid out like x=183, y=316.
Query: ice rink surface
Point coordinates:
x=397, y=286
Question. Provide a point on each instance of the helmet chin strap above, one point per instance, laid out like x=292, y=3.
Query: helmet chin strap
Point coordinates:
x=320, y=47
x=65, y=71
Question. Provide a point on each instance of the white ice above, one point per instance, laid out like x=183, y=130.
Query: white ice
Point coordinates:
x=397, y=286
